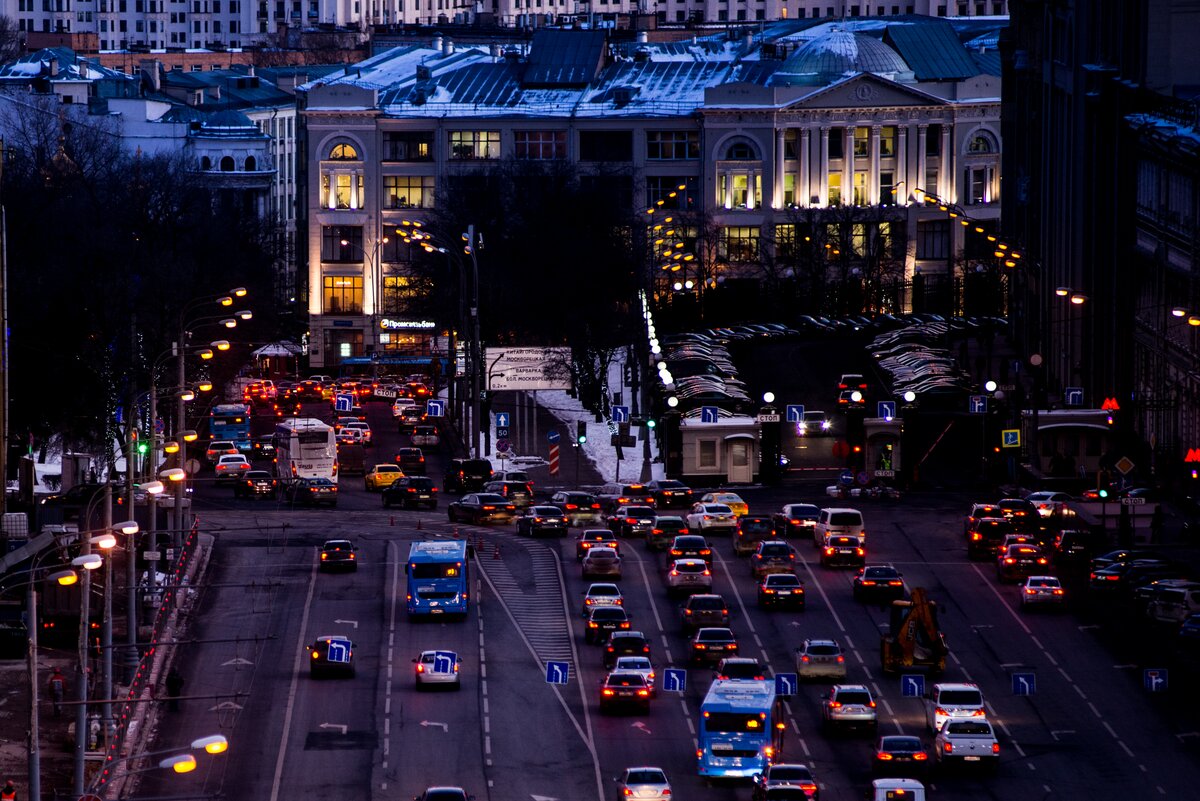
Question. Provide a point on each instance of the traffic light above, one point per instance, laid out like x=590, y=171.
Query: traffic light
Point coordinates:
x=1103, y=493
x=651, y=423
x=581, y=431
x=143, y=448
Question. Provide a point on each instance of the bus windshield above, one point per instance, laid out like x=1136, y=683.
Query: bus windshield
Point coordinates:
x=434, y=570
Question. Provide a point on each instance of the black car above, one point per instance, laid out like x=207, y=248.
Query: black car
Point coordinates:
x=602, y=622
x=467, y=475
x=1074, y=548
x=712, y=645
x=900, y=755
x=781, y=589
x=843, y=551
x=1121, y=577
x=581, y=508
x=625, y=643
x=480, y=508
x=1120, y=556
x=411, y=461
x=690, y=546
x=704, y=609
x=263, y=447
x=331, y=654
x=739, y=667
x=312, y=492
x=542, y=520
x=518, y=493
x=632, y=521
x=750, y=531
x=75, y=500
x=256, y=484
x=797, y=520
x=1021, y=513
x=624, y=688
x=879, y=583
x=671, y=494
x=339, y=555
x=409, y=492
x=985, y=536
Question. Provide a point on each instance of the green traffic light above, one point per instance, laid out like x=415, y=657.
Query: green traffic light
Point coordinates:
x=1103, y=493
x=651, y=423
x=582, y=439
x=142, y=448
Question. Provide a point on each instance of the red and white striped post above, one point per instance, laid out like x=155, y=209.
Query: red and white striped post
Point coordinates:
x=554, y=459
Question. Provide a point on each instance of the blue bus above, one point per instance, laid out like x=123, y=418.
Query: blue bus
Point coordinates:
x=438, y=578
x=741, y=729
x=231, y=421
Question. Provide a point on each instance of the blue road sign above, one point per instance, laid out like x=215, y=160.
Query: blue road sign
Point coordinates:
x=339, y=651
x=978, y=404
x=1073, y=396
x=558, y=672
x=435, y=408
x=1155, y=680
x=709, y=414
x=785, y=684
x=846, y=478
x=795, y=413
x=343, y=403
x=620, y=414
x=912, y=685
x=674, y=680
x=886, y=409
x=444, y=661
x=1010, y=438
x=501, y=433
x=553, y=436
x=1024, y=683
x=502, y=419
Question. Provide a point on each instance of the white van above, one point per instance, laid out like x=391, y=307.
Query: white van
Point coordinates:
x=897, y=790
x=839, y=521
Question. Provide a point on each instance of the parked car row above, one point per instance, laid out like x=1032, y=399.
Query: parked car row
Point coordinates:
x=915, y=363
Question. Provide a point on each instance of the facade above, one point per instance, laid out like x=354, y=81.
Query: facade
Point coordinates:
x=763, y=146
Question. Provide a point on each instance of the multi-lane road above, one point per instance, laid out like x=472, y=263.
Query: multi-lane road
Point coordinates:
x=1090, y=730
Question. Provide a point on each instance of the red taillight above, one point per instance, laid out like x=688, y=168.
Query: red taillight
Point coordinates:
x=859, y=552
x=420, y=668
x=571, y=506
x=884, y=756
x=948, y=746
x=1009, y=560
x=643, y=693
x=841, y=659
x=835, y=704
x=995, y=748
x=607, y=692
x=829, y=552
x=805, y=658
x=920, y=756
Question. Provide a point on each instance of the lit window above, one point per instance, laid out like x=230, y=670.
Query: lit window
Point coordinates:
x=343, y=152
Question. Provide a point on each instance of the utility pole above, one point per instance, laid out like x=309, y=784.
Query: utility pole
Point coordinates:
x=3, y=344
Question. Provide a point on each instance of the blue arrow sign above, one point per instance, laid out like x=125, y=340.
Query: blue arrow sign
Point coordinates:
x=343, y=403
x=846, y=477
x=339, y=651
x=502, y=419
x=444, y=661
x=886, y=409
x=1024, y=683
x=912, y=685
x=620, y=414
x=1155, y=680
x=558, y=672
x=709, y=414
x=785, y=684
x=1073, y=396
x=1010, y=438
x=795, y=413
x=978, y=404
x=552, y=436
x=674, y=680
x=435, y=408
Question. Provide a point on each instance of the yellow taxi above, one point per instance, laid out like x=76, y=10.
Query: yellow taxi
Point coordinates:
x=381, y=476
x=730, y=499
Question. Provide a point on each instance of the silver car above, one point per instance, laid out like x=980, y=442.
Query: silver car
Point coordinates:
x=849, y=706
x=820, y=659
x=638, y=664
x=1042, y=591
x=437, y=668
x=600, y=562
x=644, y=784
x=689, y=575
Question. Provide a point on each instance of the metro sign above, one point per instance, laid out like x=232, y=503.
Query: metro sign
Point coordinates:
x=1110, y=405
x=1193, y=455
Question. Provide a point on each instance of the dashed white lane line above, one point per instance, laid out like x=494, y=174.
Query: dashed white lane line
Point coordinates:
x=1109, y=729
x=486, y=708
x=1095, y=711
x=758, y=642
x=1125, y=748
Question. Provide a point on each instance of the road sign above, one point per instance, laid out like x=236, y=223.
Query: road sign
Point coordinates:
x=709, y=414
x=1124, y=465
x=978, y=404
x=768, y=418
x=501, y=433
x=159, y=425
x=620, y=414
x=502, y=419
x=554, y=460
x=435, y=408
x=1010, y=438
x=1155, y=680
x=192, y=466
x=795, y=413
x=343, y=402
x=553, y=436
x=885, y=474
x=846, y=477
x=558, y=672
x=674, y=680
x=1073, y=396
x=339, y=651
x=444, y=661
x=912, y=685
x=502, y=446
x=863, y=478
x=785, y=684
x=886, y=409
x=1024, y=683
x=152, y=556
x=1133, y=501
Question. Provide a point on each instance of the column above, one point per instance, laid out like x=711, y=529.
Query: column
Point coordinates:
x=922, y=136
x=804, y=191
x=823, y=166
x=847, y=165
x=873, y=175
x=902, y=163
x=780, y=155
x=946, y=168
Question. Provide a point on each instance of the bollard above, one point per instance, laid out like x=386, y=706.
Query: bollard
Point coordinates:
x=392, y=520
x=418, y=524
x=496, y=553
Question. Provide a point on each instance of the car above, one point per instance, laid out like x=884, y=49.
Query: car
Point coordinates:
x=689, y=546
x=331, y=654
x=666, y=529
x=603, y=621
x=1018, y=561
x=1023, y=538
x=796, y=520
x=671, y=494
x=1039, y=591
x=581, y=508
x=772, y=556
x=838, y=520
x=1048, y=502
x=256, y=484
x=843, y=551
x=1021, y=513
x=595, y=538
x=978, y=512
x=1074, y=548
x=512, y=475
x=985, y=536
x=518, y=493
x=400, y=404
x=643, y=784
x=852, y=381
x=951, y=701
x=362, y=426
x=900, y=754
x=342, y=421
x=466, y=475
x=624, y=689
x=1143, y=595
x=1189, y=632
x=338, y=555
x=706, y=517
x=711, y=644
x=820, y=659
x=703, y=609
x=734, y=668
x=1114, y=578
x=218, y=448
x=444, y=794
x=750, y=530
x=781, y=589
x=617, y=494
x=410, y=417
x=600, y=562
x=312, y=492
x=542, y=520
x=411, y=461
x=263, y=447
x=849, y=706
x=878, y=583
x=851, y=398
x=351, y=436
x=425, y=437
x=381, y=476
x=1174, y=601
x=625, y=643
x=1121, y=556
x=689, y=575
x=730, y=499
x=231, y=468
x=409, y=492
x=481, y=508
x=967, y=741
x=437, y=669
x=795, y=779
x=814, y=424
x=639, y=664
x=632, y=521
x=351, y=458
x=601, y=594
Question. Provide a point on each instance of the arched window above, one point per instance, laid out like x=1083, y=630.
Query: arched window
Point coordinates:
x=251, y=164
x=343, y=152
x=227, y=164
x=740, y=150
x=205, y=163
x=981, y=143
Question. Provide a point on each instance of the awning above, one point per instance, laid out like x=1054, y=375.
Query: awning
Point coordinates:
x=283, y=348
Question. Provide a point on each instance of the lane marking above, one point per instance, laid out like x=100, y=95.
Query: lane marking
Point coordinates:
x=1125, y=748
x=991, y=586
x=291, y=701
x=825, y=597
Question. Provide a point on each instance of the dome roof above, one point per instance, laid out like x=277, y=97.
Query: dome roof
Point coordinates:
x=837, y=53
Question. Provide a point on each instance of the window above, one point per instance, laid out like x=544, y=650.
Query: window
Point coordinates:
x=332, y=249
x=706, y=453
x=474, y=145
x=343, y=152
x=740, y=151
x=933, y=239
x=606, y=145
x=981, y=143
x=408, y=146
x=205, y=163
x=887, y=141
x=887, y=188
x=739, y=189
x=540, y=145
x=933, y=141
x=408, y=191
x=835, y=188
x=789, y=189
x=791, y=144
x=251, y=164
x=675, y=192
x=860, y=188
x=739, y=243
x=227, y=164
x=836, y=143
x=862, y=141
x=343, y=294
x=979, y=185
x=342, y=190
x=672, y=145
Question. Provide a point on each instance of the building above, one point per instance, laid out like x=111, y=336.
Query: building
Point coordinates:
x=774, y=139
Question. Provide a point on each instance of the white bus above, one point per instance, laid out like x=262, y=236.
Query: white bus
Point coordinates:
x=305, y=448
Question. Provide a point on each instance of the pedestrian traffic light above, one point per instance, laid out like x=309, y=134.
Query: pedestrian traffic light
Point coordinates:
x=651, y=423
x=142, y=448
x=581, y=431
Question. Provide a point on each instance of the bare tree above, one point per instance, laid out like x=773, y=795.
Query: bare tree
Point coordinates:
x=12, y=40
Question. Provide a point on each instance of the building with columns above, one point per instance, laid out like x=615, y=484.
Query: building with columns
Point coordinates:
x=809, y=132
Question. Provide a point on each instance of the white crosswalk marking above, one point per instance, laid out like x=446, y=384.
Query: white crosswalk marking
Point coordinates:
x=539, y=611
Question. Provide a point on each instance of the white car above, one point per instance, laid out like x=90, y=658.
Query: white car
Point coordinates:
x=638, y=664
x=644, y=784
x=401, y=404
x=953, y=702
x=426, y=437
x=600, y=562
x=1047, y=503
x=231, y=468
x=1042, y=591
x=363, y=427
x=437, y=668
x=709, y=516
x=689, y=575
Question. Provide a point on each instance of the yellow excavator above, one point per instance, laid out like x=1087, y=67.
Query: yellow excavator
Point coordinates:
x=914, y=638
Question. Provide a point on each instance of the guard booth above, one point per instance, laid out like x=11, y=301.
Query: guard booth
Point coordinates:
x=723, y=452
x=882, y=458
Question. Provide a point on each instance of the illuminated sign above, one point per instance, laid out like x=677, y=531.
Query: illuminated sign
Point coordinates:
x=399, y=325
x=1110, y=405
x=1193, y=455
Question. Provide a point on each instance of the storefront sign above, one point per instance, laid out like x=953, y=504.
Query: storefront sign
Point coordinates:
x=388, y=324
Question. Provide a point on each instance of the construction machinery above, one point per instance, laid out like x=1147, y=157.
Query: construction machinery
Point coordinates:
x=913, y=639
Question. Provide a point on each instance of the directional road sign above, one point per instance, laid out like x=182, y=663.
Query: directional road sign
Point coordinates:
x=795, y=413
x=1073, y=396
x=886, y=409
x=343, y=402
x=502, y=419
x=1155, y=680
x=978, y=404
x=435, y=408
x=558, y=672
x=785, y=684
x=709, y=414
x=674, y=680
x=444, y=661
x=912, y=685
x=620, y=414
x=553, y=436
x=1024, y=683
x=1010, y=438
x=339, y=651
x=846, y=478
